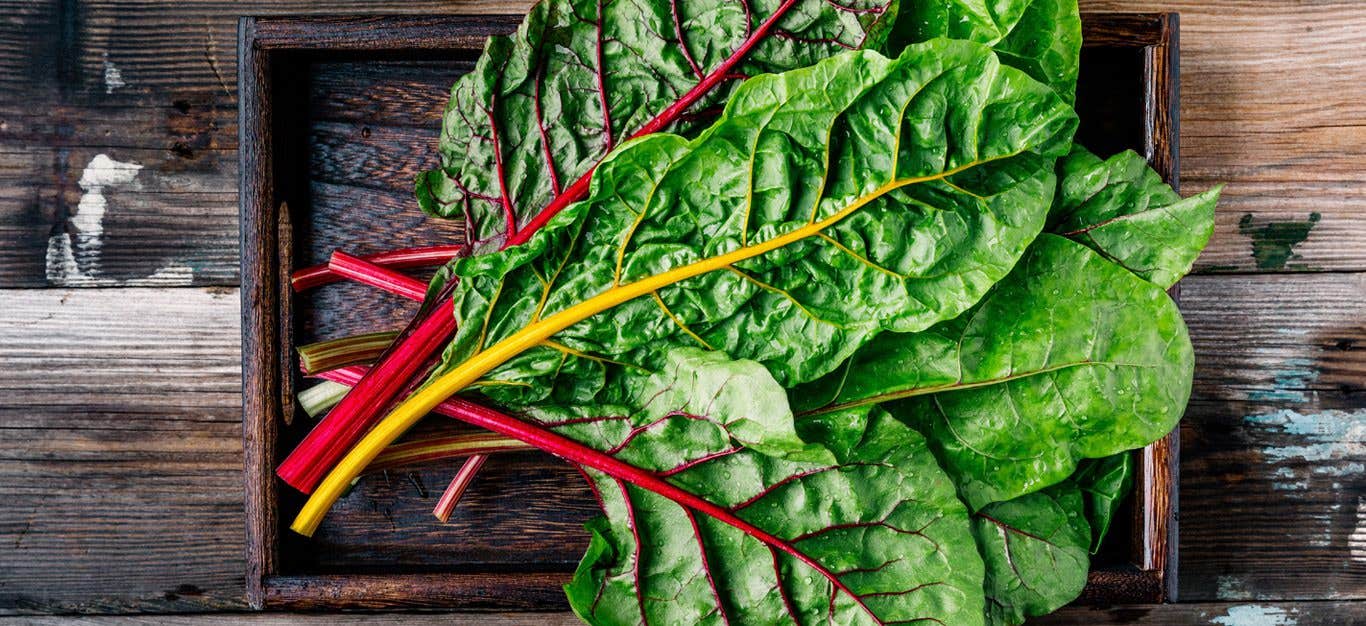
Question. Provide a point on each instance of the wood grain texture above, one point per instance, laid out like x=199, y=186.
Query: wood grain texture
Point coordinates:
x=1271, y=503
x=1274, y=442
x=1272, y=506
x=120, y=454
x=1272, y=105
x=1204, y=614
x=1288, y=139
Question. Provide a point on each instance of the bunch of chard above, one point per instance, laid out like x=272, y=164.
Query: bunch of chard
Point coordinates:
x=821, y=297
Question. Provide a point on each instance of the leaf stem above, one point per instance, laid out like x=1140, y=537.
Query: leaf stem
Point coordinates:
x=451, y=496
x=367, y=273
x=334, y=353
x=343, y=426
x=405, y=258
x=317, y=399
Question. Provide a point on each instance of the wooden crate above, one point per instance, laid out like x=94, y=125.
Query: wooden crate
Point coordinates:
x=337, y=114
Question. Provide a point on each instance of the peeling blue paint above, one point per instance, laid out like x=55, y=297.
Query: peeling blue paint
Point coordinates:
x=1327, y=445
x=1255, y=615
x=1290, y=384
x=1327, y=436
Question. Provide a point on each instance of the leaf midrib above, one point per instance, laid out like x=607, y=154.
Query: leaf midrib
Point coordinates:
x=960, y=386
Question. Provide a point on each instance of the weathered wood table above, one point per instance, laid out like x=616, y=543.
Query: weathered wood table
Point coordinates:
x=120, y=434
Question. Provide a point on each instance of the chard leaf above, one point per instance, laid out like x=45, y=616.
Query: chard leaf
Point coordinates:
x=827, y=204
x=1034, y=547
x=874, y=538
x=1120, y=208
x=1041, y=37
x=742, y=393
x=1069, y=357
x=804, y=222
x=522, y=132
x=1105, y=483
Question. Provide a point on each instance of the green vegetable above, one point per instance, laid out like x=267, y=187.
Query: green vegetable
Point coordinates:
x=1069, y=357
x=524, y=130
x=1035, y=552
x=1120, y=208
x=1041, y=37
x=1105, y=483
x=874, y=537
x=858, y=239
x=805, y=213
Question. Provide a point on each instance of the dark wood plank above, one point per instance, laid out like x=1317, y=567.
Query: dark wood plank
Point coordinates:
x=1271, y=477
x=1205, y=614
x=120, y=454
x=1274, y=444
x=1289, y=141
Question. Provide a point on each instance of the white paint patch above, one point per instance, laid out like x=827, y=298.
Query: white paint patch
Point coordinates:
x=113, y=78
x=173, y=276
x=1230, y=588
x=1255, y=615
x=77, y=263
x=1235, y=588
x=1356, y=542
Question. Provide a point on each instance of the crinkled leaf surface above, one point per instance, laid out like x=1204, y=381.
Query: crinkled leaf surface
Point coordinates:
x=1034, y=547
x=1105, y=483
x=1069, y=357
x=522, y=132
x=1041, y=37
x=826, y=205
x=877, y=537
x=581, y=77
x=750, y=404
x=1121, y=208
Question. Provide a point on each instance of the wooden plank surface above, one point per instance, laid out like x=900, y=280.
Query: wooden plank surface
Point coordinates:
x=152, y=82
x=1209, y=614
x=119, y=408
x=110, y=441
x=120, y=450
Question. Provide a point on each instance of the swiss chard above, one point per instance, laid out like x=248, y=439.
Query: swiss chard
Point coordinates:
x=1069, y=357
x=516, y=148
x=1041, y=37
x=1105, y=483
x=1034, y=547
x=1120, y=208
x=805, y=211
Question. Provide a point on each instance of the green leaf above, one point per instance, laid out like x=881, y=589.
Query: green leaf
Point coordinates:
x=1041, y=37
x=1069, y=357
x=523, y=131
x=1120, y=208
x=742, y=393
x=1034, y=547
x=826, y=205
x=1105, y=482
x=877, y=537
x=804, y=222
